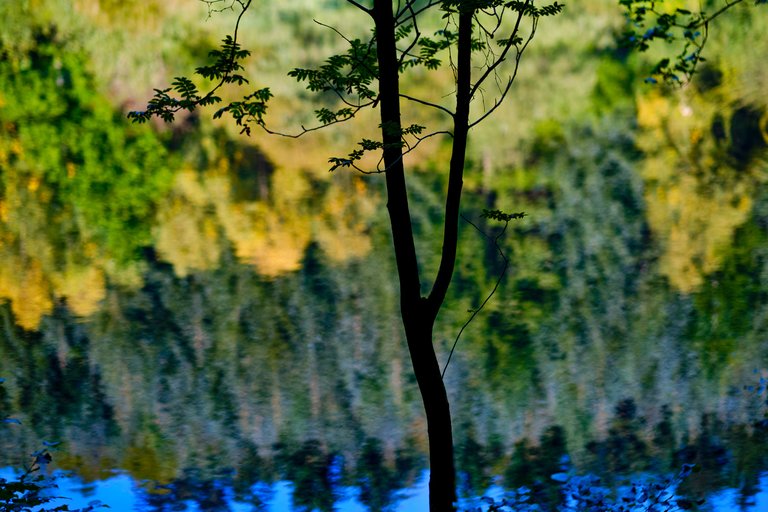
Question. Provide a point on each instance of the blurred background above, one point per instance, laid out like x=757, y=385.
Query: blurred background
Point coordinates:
x=210, y=321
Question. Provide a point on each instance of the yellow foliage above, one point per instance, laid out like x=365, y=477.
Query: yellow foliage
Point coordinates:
x=146, y=15
x=84, y=288
x=186, y=234
x=343, y=234
x=652, y=111
x=695, y=200
x=271, y=234
x=696, y=226
x=272, y=240
x=23, y=282
x=33, y=184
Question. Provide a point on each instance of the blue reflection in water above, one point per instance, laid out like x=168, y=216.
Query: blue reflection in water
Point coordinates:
x=122, y=494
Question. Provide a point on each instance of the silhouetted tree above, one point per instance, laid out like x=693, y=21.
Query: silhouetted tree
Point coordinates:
x=483, y=41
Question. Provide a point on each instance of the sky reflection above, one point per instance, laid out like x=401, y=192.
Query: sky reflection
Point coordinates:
x=122, y=494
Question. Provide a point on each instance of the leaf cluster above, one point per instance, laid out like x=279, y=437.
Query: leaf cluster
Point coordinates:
x=528, y=9
x=367, y=145
x=351, y=73
x=647, y=23
x=23, y=494
x=252, y=108
x=501, y=216
x=430, y=47
x=355, y=155
x=227, y=63
x=524, y=7
x=32, y=491
x=184, y=94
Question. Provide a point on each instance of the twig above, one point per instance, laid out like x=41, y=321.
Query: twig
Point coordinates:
x=495, y=241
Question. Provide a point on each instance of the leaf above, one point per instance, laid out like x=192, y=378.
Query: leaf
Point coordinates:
x=185, y=87
x=501, y=216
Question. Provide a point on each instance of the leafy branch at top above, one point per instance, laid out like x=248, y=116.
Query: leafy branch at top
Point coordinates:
x=497, y=41
x=649, y=21
x=224, y=70
x=351, y=75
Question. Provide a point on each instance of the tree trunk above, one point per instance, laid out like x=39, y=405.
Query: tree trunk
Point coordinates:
x=419, y=313
x=442, y=473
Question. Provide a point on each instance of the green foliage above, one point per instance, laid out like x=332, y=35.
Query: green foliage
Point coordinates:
x=527, y=8
x=252, y=108
x=226, y=64
x=224, y=69
x=724, y=315
x=649, y=21
x=351, y=73
x=501, y=216
x=75, y=150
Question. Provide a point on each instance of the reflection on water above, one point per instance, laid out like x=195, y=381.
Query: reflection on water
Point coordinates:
x=214, y=381
x=219, y=332
x=125, y=495
x=199, y=387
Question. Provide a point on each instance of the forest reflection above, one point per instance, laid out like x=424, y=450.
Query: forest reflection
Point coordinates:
x=214, y=318
x=206, y=384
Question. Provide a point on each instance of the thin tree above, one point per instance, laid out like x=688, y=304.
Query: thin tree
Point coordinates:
x=482, y=41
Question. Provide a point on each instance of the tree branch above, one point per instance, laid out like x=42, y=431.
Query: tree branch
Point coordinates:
x=476, y=311
x=507, y=47
x=416, y=12
x=427, y=103
x=416, y=37
x=456, y=170
x=361, y=7
x=511, y=79
x=391, y=131
x=304, y=130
